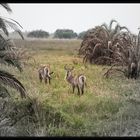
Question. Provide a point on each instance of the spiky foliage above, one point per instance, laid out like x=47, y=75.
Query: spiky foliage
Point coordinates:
x=10, y=80
x=98, y=44
x=8, y=53
x=127, y=52
x=6, y=23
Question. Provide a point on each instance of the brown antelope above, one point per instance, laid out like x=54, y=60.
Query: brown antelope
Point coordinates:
x=44, y=73
x=78, y=81
x=133, y=70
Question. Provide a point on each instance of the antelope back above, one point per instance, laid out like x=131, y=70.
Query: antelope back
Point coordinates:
x=81, y=79
x=44, y=70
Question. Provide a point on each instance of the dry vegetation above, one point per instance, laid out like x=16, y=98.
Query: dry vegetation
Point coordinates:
x=109, y=107
x=112, y=46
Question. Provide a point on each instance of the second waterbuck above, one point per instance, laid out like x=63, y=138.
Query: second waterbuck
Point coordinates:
x=45, y=73
x=78, y=81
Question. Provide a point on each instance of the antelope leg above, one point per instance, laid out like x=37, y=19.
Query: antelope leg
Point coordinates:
x=82, y=89
x=45, y=80
x=40, y=77
x=73, y=88
x=49, y=80
x=78, y=90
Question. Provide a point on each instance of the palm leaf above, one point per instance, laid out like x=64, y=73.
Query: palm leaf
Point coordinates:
x=3, y=43
x=9, y=80
x=14, y=27
x=107, y=33
x=105, y=26
x=139, y=38
x=116, y=30
x=4, y=92
x=115, y=37
x=123, y=27
x=6, y=6
x=111, y=22
x=14, y=63
x=16, y=22
x=96, y=48
x=8, y=56
x=3, y=26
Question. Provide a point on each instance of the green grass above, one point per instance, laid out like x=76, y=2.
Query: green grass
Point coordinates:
x=102, y=111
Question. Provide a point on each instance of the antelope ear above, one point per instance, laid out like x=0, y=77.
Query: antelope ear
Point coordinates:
x=48, y=65
x=51, y=72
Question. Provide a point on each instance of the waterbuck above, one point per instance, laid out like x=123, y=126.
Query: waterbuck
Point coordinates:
x=45, y=73
x=132, y=70
x=78, y=81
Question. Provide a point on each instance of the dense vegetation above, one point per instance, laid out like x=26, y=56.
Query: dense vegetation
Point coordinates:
x=109, y=107
x=65, y=33
x=8, y=55
x=112, y=46
x=38, y=34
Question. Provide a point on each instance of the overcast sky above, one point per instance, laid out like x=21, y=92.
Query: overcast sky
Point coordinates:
x=78, y=17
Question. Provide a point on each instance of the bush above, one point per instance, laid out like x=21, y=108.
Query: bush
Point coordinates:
x=82, y=34
x=38, y=34
x=65, y=33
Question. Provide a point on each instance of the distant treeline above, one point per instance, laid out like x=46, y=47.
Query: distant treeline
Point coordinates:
x=59, y=33
x=38, y=34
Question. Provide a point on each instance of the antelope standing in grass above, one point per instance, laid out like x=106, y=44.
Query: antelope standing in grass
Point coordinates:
x=133, y=70
x=78, y=81
x=45, y=73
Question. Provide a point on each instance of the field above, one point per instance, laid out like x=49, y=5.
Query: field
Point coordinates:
x=109, y=107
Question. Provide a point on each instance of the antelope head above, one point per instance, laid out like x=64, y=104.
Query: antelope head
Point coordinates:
x=68, y=70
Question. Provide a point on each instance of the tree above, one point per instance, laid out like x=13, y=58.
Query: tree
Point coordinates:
x=98, y=44
x=82, y=35
x=65, y=33
x=38, y=34
x=7, y=54
x=127, y=56
x=116, y=46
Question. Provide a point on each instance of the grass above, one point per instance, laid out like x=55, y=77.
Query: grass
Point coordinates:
x=109, y=106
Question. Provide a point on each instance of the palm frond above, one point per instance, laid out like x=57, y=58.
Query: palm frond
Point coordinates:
x=111, y=23
x=14, y=63
x=3, y=26
x=16, y=22
x=116, y=30
x=13, y=26
x=96, y=48
x=123, y=27
x=6, y=6
x=7, y=60
x=105, y=26
x=8, y=55
x=139, y=38
x=4, y=45
x=9, y=80
x=115, y=37
x=4, y=92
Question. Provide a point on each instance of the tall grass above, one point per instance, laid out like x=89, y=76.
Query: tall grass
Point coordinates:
x=106, y=109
